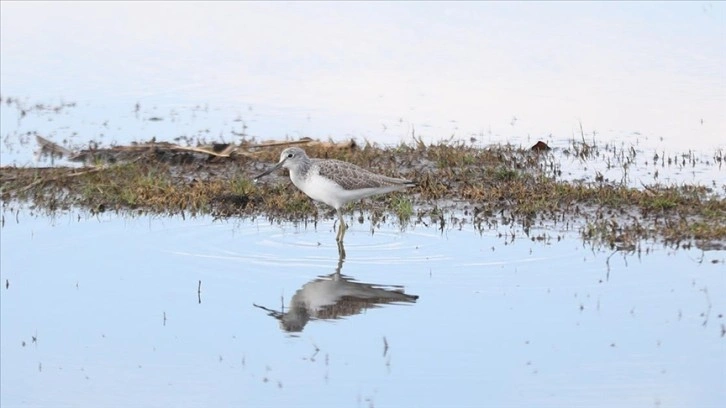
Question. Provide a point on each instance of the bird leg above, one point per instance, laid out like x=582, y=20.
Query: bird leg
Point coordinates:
x=341, y=228
x=341, y=257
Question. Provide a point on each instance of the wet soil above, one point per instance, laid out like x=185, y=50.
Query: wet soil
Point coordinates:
x=458, y=184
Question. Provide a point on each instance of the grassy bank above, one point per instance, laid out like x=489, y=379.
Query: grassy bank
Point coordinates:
x=458, y=184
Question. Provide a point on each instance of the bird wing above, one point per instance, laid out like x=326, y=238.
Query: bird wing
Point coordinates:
x=355, y=177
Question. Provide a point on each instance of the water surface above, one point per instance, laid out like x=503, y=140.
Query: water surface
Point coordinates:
x=649, y=74
x=158, y=311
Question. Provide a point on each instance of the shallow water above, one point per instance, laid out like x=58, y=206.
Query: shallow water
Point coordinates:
x=159, y=311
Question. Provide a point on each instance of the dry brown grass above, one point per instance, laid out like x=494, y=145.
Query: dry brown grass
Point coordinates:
x=499, y=182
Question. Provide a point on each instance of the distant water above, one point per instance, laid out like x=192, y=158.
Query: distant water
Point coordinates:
x=649, y=74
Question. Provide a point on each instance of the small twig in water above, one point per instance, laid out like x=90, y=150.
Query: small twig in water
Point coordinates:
x=317, y=350
x=707, y=313
x=199, y=292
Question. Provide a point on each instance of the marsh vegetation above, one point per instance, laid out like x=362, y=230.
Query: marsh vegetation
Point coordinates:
x=458, y=184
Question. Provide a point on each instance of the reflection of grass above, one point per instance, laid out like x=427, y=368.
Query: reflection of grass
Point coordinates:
x=494, y=186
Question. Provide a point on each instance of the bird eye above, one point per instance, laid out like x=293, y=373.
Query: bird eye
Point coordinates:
x=289, y=155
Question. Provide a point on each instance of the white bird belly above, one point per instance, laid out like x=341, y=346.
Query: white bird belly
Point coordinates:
x=331, y=193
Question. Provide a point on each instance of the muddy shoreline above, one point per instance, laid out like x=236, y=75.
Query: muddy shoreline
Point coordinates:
x=458, y=184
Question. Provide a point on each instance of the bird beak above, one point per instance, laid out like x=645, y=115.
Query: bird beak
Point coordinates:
x=277, y=166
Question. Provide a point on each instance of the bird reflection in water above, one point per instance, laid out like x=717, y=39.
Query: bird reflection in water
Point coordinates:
x=335, y=296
